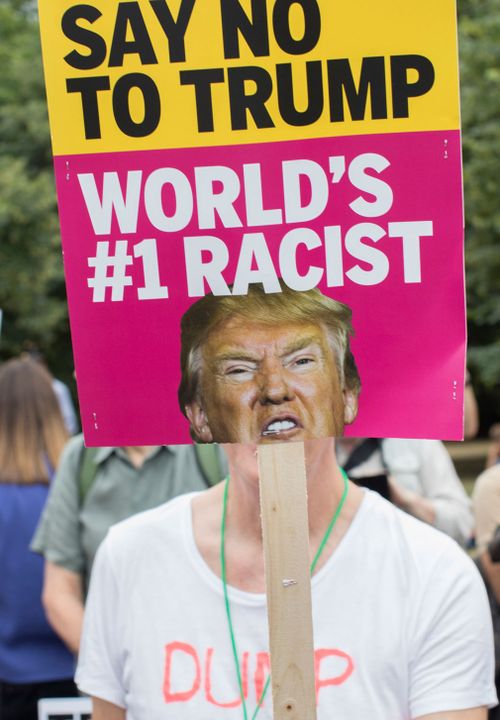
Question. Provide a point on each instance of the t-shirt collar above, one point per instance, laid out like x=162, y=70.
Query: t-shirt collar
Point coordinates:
x=103, y=453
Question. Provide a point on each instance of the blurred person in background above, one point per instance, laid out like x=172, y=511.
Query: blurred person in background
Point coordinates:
x=493, y=457
x=66, y=404
x=486, y=503
x=399, y=609
x=419, y=478
x=95, y=488
x=61, y=390
x=471, y=410
x=34, y=663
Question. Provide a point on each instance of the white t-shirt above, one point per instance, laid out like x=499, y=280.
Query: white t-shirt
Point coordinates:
x=401, y=624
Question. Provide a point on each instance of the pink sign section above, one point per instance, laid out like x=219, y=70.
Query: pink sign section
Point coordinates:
x=374, y=222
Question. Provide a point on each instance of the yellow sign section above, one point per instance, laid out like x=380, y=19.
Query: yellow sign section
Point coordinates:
x=185, y=73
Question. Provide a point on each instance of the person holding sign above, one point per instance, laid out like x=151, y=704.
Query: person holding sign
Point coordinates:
x=315, y=139
x=34, y=663
x=267, y=367
x=176, y=623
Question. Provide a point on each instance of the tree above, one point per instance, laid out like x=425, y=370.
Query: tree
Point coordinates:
x=479, y=25
x=32, y=294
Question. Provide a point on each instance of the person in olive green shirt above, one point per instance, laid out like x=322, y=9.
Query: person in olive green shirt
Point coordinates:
x=125, y=481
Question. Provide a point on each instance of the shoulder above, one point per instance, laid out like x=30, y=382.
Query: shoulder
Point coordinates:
x=433, y=578
x=204, y=462
x=72, y=450
x=419, y=547
x=21, y=502
x=448, y=631
x=159, y=527
x=488, y=482
x=66, y=474
x=411, y=532
x=155, y=517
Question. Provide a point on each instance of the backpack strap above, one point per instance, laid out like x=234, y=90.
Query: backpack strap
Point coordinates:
x=209, y=463
x=362, y=453
x=86, y=472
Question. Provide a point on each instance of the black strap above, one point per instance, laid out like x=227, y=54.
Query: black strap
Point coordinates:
x=362, y=453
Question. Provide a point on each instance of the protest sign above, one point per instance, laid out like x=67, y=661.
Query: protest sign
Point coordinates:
x=205, y=147
x=78, y=708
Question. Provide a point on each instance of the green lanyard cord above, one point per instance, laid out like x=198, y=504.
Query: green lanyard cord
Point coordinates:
x=226, y=600
x=332, y=522
x=226, y=594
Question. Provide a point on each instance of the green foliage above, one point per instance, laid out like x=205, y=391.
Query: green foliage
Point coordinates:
x=479, y=24
x=31, y=275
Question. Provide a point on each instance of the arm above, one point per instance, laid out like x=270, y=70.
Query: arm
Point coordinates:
x=62, y=598
x=103, y=710
x=492, y=456
x=479, y=713
x=411, y=502
x=100, y=669
x=452, y=662
x=58, y=535
x=441, y=486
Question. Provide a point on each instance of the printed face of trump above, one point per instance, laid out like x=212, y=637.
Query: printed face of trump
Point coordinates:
x=261, y=383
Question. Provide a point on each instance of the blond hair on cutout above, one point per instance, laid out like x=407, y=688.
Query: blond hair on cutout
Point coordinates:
x=274, y=309
x=32, y=431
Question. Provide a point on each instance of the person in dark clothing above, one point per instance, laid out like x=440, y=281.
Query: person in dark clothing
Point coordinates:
x=34, y=663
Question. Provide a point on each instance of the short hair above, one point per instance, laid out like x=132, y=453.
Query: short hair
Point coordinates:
x=287, y=306
x=32, y=430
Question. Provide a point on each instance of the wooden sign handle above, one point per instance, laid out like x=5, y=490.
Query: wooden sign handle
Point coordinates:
x=285, y=530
